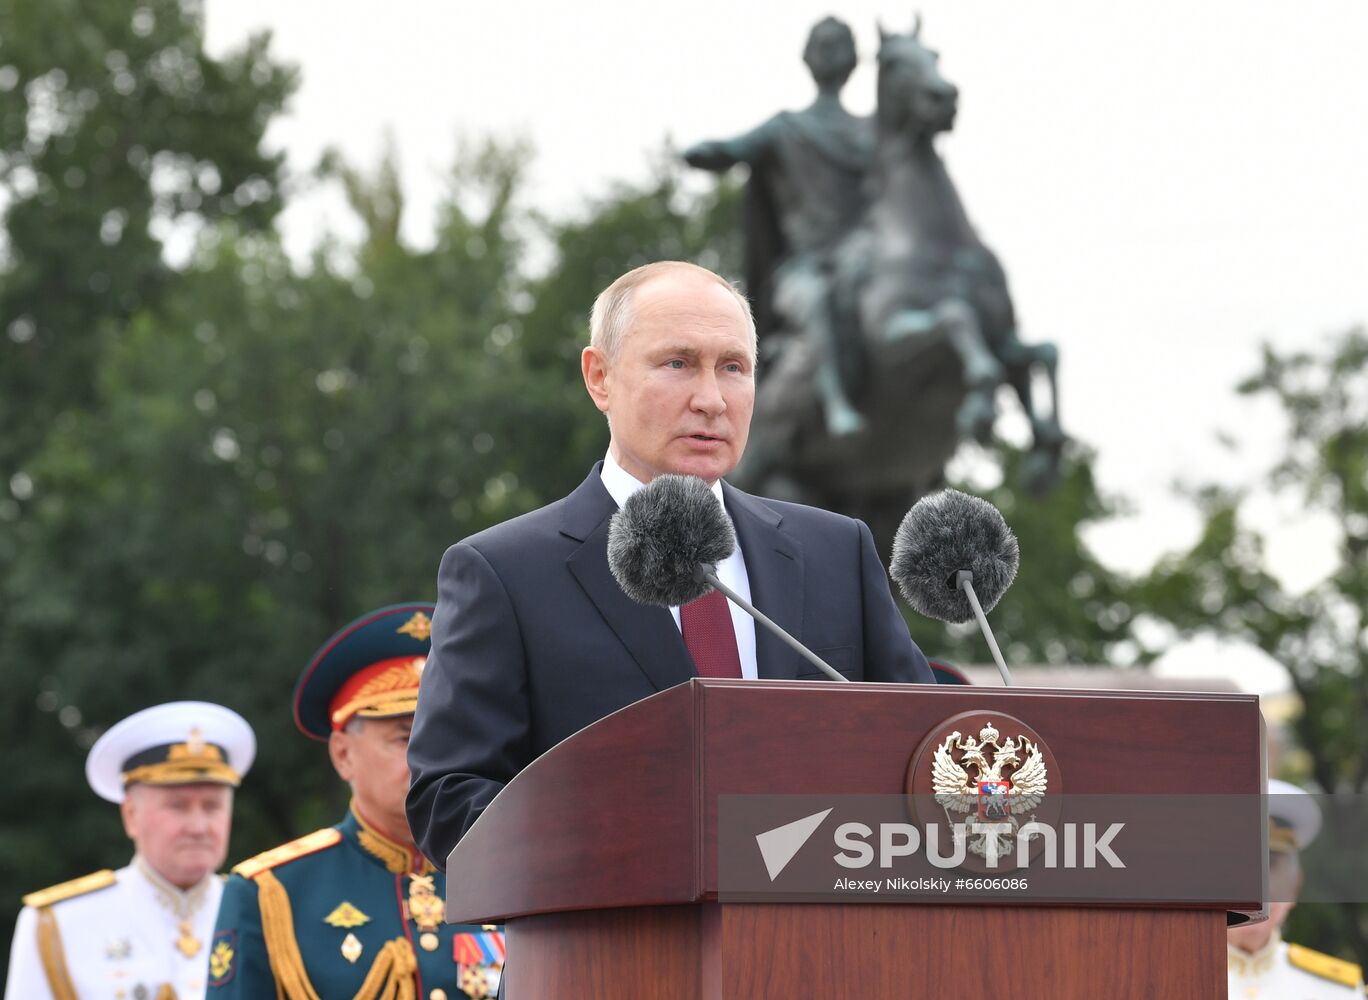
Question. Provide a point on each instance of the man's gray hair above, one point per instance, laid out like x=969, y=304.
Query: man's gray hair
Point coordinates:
x=612, y=313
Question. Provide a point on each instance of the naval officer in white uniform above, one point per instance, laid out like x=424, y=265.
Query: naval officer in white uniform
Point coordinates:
x=1261, y=965
x=142, y=932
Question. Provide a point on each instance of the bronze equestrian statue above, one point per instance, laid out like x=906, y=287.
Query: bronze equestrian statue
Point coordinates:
x=806, y=194
x=914, y=319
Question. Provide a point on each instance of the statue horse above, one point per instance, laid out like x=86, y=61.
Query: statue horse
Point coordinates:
x=937, y=334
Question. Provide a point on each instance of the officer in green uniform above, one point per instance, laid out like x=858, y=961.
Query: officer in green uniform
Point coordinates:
x=353, y=910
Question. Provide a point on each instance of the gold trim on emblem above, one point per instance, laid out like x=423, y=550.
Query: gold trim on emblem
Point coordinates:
x=999, y=790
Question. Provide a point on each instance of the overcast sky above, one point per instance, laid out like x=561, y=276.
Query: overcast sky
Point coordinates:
x=1167, y=183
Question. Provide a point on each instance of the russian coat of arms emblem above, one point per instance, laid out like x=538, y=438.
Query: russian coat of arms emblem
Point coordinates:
x=979, y=777
x=988, y=785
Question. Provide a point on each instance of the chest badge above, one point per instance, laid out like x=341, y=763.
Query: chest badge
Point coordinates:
x=351, y=948
x=221, y=959
x=427, y=910
x=346, y=916
x=187, y=944
x=118, y=949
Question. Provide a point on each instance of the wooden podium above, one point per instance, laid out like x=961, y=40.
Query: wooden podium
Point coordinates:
x=602, y=856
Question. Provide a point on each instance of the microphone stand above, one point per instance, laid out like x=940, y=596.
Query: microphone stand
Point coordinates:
x=709, y=573
x=964, y=580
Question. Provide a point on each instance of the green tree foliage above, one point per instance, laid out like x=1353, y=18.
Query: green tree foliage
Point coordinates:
x=1222, y=586
x=267, y=453
x=630, y=227
x=206, y=469
x=117, y=131
x=1065, y=606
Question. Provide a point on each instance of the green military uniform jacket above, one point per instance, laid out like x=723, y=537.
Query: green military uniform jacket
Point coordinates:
x=345, y=913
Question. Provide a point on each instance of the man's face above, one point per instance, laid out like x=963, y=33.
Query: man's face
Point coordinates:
x=1284, y=882
x=1252, y=937
x=371, y=755
x=180, y=830
x=680, y=392
x=830, y=54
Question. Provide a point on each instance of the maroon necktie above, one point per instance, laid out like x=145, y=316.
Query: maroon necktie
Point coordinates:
x=709, y=634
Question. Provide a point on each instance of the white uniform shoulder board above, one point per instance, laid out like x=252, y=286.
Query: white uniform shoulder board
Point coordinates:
x=1326, y=966
x=70, y=890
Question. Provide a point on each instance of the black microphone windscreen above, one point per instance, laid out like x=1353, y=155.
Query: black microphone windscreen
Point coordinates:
x=661, y=535
x=946, y=532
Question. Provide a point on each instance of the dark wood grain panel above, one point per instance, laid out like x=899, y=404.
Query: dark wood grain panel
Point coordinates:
x=729, y=951
x=963, y=953
x=646, y=953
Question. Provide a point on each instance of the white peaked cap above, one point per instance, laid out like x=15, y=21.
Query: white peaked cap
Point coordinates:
x=178, y=743
x=1293, y=809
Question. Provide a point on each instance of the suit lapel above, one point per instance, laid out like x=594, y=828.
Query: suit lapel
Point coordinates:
x=774, y=565
x=650, y=634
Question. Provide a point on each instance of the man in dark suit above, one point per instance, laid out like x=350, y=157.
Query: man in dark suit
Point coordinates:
x=533, y=639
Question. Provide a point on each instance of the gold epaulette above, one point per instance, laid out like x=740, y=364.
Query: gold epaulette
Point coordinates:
x=70, y=890
x=1326, y=966
x=307, y=844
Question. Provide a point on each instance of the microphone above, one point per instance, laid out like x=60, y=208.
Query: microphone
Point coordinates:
x=664, y=546
x=953, y=559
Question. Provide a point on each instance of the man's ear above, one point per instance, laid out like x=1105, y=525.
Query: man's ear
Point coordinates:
x=339, y=749
x=594, y=367
x=126, y=810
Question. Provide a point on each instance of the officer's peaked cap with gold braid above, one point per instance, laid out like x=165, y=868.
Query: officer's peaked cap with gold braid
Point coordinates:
x=178, y=743
x=369, y=669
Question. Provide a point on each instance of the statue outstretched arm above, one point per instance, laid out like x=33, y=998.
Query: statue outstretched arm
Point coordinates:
x=722, y=154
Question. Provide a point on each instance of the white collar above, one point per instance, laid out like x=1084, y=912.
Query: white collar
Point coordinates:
x=621, y=484
x=182, y=902
x=1254, y=963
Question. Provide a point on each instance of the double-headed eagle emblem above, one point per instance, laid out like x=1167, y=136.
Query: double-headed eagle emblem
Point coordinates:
x=996, y=793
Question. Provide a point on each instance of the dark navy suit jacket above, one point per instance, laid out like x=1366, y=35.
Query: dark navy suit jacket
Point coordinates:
x=533, y=639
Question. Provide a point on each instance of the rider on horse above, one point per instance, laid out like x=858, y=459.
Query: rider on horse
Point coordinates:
x=806, y=193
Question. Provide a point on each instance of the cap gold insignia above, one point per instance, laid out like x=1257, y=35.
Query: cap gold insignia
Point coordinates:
x=346, y=915
x=419, y=626
x=195, y=744
x=351, y=948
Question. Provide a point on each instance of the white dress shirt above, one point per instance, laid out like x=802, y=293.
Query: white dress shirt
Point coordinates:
x=120, y=942
x=732, y=571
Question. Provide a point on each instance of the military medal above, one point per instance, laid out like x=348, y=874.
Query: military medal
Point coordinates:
x=181, y=904
x=474, y=983
x=187, y=944
x=351, y=948
x=427, y=910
